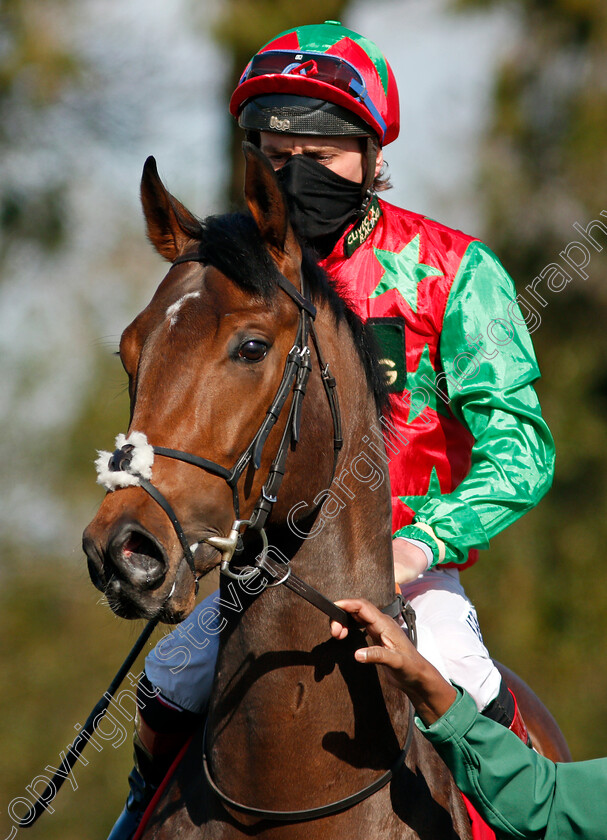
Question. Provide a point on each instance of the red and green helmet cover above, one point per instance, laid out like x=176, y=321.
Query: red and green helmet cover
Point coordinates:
x=380, y=98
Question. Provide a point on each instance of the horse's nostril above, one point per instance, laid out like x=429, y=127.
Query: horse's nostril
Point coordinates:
x=140, y=558
x=138, y=544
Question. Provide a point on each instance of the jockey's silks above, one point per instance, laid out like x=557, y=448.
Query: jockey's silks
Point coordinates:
x=472, y=452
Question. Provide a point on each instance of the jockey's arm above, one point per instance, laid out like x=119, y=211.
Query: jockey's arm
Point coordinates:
x=488, y=357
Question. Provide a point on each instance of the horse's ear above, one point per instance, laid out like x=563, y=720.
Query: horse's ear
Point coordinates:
x=171, y=227
x=267, y=204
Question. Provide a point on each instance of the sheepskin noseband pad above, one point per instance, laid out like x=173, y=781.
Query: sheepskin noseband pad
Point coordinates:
x=132, y=461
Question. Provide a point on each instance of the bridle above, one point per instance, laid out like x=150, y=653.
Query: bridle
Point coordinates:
x=339, y=805
x=298, y=367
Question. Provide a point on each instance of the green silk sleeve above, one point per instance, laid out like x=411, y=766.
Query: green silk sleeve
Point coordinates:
x=517, y=792
x=490, y=366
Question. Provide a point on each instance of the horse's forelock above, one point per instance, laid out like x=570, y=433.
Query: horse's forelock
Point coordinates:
x=232, y=244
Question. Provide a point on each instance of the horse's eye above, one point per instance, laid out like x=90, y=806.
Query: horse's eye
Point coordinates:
x=253, y=350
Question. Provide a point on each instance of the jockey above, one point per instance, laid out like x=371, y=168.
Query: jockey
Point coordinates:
x=469, y=451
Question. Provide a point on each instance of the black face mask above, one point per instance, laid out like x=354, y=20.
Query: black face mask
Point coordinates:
x=321, y=203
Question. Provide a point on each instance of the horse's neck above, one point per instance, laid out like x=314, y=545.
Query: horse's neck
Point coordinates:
x=350, y=554
x=349, y=551
x=357, y=538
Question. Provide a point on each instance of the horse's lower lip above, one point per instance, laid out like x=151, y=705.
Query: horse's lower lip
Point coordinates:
x=123, y=603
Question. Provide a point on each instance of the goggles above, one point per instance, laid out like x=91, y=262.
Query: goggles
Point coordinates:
x=318, y=67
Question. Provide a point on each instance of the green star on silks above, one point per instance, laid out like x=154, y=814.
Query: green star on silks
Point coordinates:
x=415, y=379
x=416, y=503
x=403, y=272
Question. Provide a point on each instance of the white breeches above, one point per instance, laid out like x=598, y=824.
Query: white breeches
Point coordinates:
x=449, y=635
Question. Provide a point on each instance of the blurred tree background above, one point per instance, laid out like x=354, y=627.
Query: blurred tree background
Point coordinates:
x=242, y=27
x=85, y=94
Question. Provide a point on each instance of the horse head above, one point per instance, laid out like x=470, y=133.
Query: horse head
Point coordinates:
x=207, y=361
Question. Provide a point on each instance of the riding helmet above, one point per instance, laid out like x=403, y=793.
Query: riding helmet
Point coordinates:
x=321, y=79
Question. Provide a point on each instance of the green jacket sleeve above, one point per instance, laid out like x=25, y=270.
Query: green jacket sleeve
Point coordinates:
x=518, y=792
x=490, y=366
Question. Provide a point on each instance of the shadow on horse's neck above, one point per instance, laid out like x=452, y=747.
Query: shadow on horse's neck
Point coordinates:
x=351, y=553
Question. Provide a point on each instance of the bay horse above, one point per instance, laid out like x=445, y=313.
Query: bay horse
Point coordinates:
x=218, y=364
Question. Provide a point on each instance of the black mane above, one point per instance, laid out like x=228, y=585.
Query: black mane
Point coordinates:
x=232, y=244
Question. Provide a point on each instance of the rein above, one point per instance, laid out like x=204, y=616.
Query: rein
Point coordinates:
x=84, y=736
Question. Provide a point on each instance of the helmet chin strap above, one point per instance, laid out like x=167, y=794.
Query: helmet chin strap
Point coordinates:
x=370, y=160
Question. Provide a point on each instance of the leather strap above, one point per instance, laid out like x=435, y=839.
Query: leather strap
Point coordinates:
x=164, y=504
x=301, y=301
x=322, y=810
x=282, y=573
x=330, y=386
x=195, y=460
x=393, y=609
x=84, y=735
